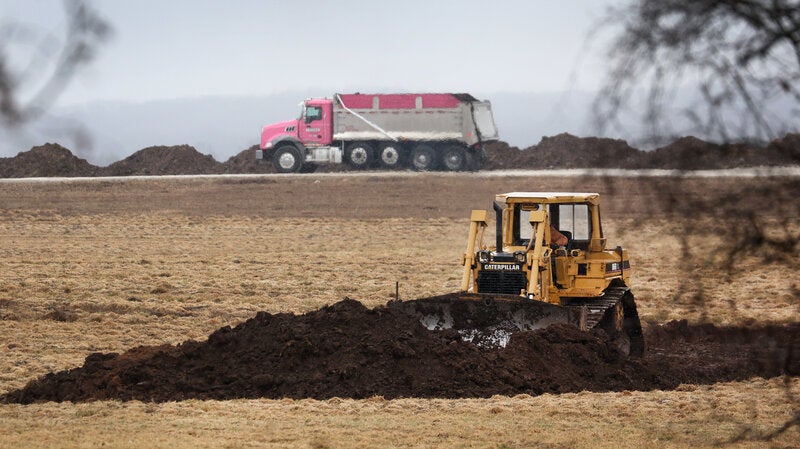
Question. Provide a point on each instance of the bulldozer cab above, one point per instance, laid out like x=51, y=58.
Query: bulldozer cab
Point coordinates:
x=570, y=219
x=570, y=214
x=527, y=261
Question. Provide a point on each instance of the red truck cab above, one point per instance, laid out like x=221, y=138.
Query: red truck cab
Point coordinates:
x=314, y=127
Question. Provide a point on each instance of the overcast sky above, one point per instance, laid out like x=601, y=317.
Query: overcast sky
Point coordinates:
x=180, y=49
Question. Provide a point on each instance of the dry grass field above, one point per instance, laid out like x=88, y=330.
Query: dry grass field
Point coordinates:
x=105, y=265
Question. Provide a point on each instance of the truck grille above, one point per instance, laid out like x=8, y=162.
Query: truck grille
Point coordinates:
x=502, y=281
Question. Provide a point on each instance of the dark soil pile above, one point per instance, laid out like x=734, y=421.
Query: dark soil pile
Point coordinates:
x=782, y=151
x=501, y=156
x=691, y=153
x=174, y=160
x=705, y=353
x=686, y=153
x=347, y=350
x=558, y=152
x=50, y=159
x=245, y=162
x=566, y=151
x=595, y=152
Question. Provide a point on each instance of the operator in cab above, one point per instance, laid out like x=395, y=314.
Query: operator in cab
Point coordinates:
x=557, y=238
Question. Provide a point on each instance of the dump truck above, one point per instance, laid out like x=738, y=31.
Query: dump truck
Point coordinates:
x=424, y=131
x=550, y=263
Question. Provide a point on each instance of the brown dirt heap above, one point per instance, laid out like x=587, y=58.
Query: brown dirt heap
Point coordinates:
x=174, y=160
x=245, y=162
x=347, y=350
x=50, y=159
x=686, y=153
x=560, y=151
x=564, y=151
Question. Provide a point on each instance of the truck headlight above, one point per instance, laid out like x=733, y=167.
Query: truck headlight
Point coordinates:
x=483, y=256
x=520, y=256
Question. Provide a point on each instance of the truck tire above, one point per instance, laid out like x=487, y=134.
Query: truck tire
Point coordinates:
x=423, y=157
x=359, y=155
x=454, y=158
x=287, y=159
x=390, y=155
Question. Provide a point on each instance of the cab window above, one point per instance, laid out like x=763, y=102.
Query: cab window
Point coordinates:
x=523, y=229
x=574, y=218
x=524, y=226
x=313, y=113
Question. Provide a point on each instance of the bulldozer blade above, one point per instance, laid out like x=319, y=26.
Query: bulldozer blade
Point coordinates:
x=487, y=320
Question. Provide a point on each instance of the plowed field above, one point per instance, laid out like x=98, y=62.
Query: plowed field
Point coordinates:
x=92, y=268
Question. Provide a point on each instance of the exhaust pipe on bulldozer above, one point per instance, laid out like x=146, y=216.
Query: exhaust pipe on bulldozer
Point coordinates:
x=498, y=220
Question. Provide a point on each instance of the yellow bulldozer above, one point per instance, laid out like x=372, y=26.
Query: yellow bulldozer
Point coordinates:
x=550, y=264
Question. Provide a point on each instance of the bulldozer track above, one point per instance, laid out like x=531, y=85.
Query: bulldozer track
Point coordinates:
x=595, y=308
x=601, y=312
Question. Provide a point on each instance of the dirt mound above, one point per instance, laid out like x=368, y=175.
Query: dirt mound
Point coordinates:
x=501, y=156
x=565, y=151
x=686, y=153
x=245, y=162
x=691, y=153
x=783, y=151
x=161, y=160
x=50, y=159
x=560, y=151
x=347, y=350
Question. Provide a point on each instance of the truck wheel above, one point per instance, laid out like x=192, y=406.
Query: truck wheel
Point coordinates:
x=359, y=155
x=287, y=159
x=454, y=158
x=390, y=155
x=423, y=157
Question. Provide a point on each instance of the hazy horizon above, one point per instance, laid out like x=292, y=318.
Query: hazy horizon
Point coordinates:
x=211, y=74
x=106, y=131
x=168, y=67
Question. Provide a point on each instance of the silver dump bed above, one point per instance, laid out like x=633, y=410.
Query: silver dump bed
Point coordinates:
x=468, y=121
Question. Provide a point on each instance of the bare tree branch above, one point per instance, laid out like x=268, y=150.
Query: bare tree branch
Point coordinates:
x=742, y=56
x=86, y=31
